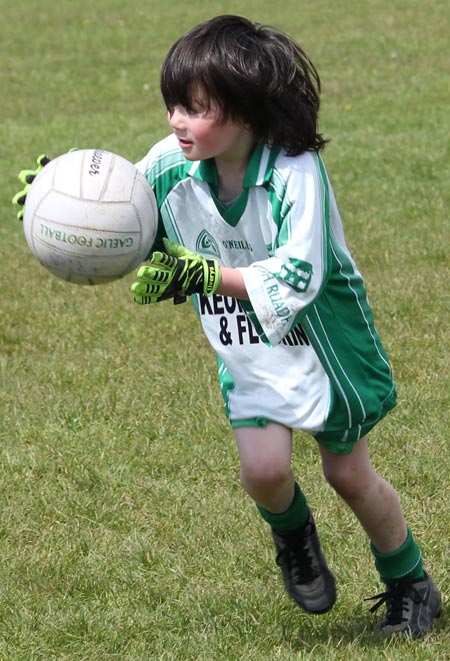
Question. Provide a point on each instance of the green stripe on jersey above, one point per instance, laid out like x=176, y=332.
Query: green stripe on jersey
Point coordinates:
x=280, y=204
x=340, y=327
x=166, y=171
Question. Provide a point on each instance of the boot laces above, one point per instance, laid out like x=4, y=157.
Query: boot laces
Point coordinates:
x=397, y=598
x=296, y=555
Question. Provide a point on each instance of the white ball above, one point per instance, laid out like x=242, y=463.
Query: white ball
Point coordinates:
x=90, y=217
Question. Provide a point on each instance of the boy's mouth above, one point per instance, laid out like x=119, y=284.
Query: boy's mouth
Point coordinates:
x=185, y=144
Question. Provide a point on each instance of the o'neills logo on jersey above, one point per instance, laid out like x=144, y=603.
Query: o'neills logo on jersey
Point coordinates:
x=207, y=245
x=237, y=245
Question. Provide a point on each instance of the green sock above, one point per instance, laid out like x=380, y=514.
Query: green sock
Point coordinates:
x=294, y=518
x=404, y=562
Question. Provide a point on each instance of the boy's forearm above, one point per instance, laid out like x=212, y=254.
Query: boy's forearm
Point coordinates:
x=232, y=284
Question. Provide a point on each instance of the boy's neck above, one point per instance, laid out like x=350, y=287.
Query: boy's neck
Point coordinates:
x=231, y=169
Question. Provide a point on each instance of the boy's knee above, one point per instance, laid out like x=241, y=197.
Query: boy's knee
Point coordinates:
x=349, y=475
x=345, y=480
x=265, y=475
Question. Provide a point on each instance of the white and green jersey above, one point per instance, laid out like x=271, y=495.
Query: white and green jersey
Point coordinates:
x=303, y=351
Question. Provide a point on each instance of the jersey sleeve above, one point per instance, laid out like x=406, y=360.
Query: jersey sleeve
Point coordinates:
x=283, y=287
x=150, y=166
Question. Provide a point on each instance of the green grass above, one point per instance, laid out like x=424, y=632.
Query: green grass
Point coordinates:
x=124, y=533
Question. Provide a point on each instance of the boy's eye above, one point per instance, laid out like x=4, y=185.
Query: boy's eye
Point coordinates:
x=192, y=112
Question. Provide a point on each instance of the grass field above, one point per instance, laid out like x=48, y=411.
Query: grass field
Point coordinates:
x=124, y=533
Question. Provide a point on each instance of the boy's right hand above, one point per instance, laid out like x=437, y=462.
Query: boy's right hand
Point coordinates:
x=175, y=274
x=26, y=177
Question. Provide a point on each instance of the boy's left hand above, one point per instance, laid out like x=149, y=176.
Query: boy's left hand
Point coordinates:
x=175, y=273
x=26, y=178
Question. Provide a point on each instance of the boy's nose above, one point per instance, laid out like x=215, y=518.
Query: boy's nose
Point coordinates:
x=176, y=120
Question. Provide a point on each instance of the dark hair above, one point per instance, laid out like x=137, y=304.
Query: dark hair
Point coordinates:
x=254, y=73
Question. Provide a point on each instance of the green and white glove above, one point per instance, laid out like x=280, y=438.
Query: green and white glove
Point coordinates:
x=26, y=177
x=174, y=274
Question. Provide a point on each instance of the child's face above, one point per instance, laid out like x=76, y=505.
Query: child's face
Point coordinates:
x=203, y=134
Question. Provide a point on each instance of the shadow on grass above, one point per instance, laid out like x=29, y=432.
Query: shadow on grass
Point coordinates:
x=361, y=632
x=334, y=634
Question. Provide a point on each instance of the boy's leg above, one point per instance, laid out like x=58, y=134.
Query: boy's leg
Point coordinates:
x=412, y=599
x=265, y=454
x=373, y=500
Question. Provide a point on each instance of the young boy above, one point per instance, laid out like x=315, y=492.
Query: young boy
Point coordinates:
x=251, y=230
x=257, y=241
